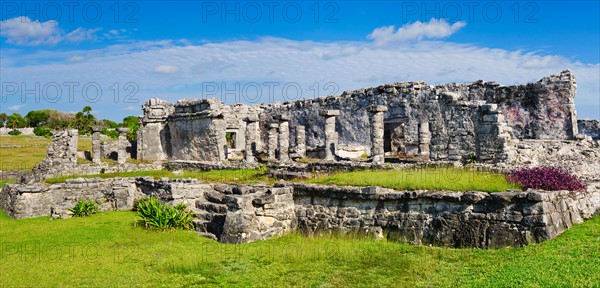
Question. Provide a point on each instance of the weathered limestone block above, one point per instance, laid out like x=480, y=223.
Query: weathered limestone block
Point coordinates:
x=376, y=119
x=300, y=141
x=122, y=145
x=96, y=150
x=153, y=141
x=331, y=137
x=272, y=141
x=252, y=136
x=198, y=130
x=424, y=139
x=284, y=138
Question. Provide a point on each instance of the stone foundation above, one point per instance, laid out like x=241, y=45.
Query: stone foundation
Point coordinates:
x=246, y=213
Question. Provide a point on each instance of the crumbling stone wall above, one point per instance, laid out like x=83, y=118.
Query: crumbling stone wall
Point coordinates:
x=35, y=200
x=245, y=213
x=590, y=128
x=456, y=219
x=434, y=122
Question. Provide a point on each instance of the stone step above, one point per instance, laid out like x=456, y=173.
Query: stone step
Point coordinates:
x=211, y=207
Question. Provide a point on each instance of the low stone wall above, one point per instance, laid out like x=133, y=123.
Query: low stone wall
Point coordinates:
x=245, y=213
x=26, y=201
x=580, y=157
x=445, y=218
x=40, y=173
x=24, y=131
x=589, y=128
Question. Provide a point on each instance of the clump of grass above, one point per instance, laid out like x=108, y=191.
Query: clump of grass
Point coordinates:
x=232, y=175
x=6, y=181
x=455, y=179
x=154, y=214
x=84, y=207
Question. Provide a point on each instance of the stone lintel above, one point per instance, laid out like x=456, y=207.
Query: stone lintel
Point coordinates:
x=329, y=113
x=377, y=108
x=251, y=118
x=489, y=108
x=122, y=129
x=283, y=117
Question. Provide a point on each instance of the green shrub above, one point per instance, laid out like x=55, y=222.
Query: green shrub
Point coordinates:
x=14, y=132
x=154, y=214
x=84, y=207
x=42, y=131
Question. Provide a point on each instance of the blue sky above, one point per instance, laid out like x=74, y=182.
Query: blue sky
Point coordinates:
x=115, y=55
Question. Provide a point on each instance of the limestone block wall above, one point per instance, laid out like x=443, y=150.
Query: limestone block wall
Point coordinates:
x=580, y=157
x=245, y=213
x=197, y=130
x=456, y=219
x=35, y=200
x=153, y=136
x=24, y=131
x=589, y=128
x=541, y=110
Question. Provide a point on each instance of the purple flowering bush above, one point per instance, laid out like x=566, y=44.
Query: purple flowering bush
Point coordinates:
x=546, y=178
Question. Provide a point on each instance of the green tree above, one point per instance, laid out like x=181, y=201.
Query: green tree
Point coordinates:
x=133, y=123
x=37, y=117
x=3, y=118
x=15, y=120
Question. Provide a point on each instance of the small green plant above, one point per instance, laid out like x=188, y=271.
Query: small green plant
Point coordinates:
x=154, y=214
x=471, y=158
x=14, y=132
x=364, y=156
x=84, y=207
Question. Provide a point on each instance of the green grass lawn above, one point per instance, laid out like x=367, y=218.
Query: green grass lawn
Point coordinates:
x=107, y=250
x=31, y=150
x=456, y=179
x=229, y=176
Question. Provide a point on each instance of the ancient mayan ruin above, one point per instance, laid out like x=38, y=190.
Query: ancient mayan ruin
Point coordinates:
x=389, y=126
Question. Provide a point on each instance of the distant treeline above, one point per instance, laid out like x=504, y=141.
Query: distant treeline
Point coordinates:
x=44, y=121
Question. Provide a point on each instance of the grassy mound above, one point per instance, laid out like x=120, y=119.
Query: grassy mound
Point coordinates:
x=455, y=179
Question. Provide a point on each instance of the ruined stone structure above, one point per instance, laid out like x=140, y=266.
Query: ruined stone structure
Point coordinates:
x=501, y=127
x=246, y=213
x=403, y=120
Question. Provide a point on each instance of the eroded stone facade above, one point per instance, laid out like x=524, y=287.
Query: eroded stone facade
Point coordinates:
x=421, y=122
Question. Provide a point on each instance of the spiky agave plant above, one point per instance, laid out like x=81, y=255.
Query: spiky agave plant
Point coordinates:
x=153, y=213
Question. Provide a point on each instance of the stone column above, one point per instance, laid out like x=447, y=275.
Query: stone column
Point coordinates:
x=376, y=119
x=424, y=139
x=284, y=138
x=331, y=137
x=301, y=141
x=96, y=150
x=122, y=145
x=251, y=137
x=272, y=141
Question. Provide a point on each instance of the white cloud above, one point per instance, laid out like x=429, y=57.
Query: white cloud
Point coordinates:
x=24, y=31
x=166, y=69
x=350, y=65
x=131, y=108
x=81, y=34
x=76, y=58
x=15, y=107
x=434, y=29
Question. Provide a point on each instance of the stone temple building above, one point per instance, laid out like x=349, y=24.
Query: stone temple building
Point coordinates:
x=410, y=121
